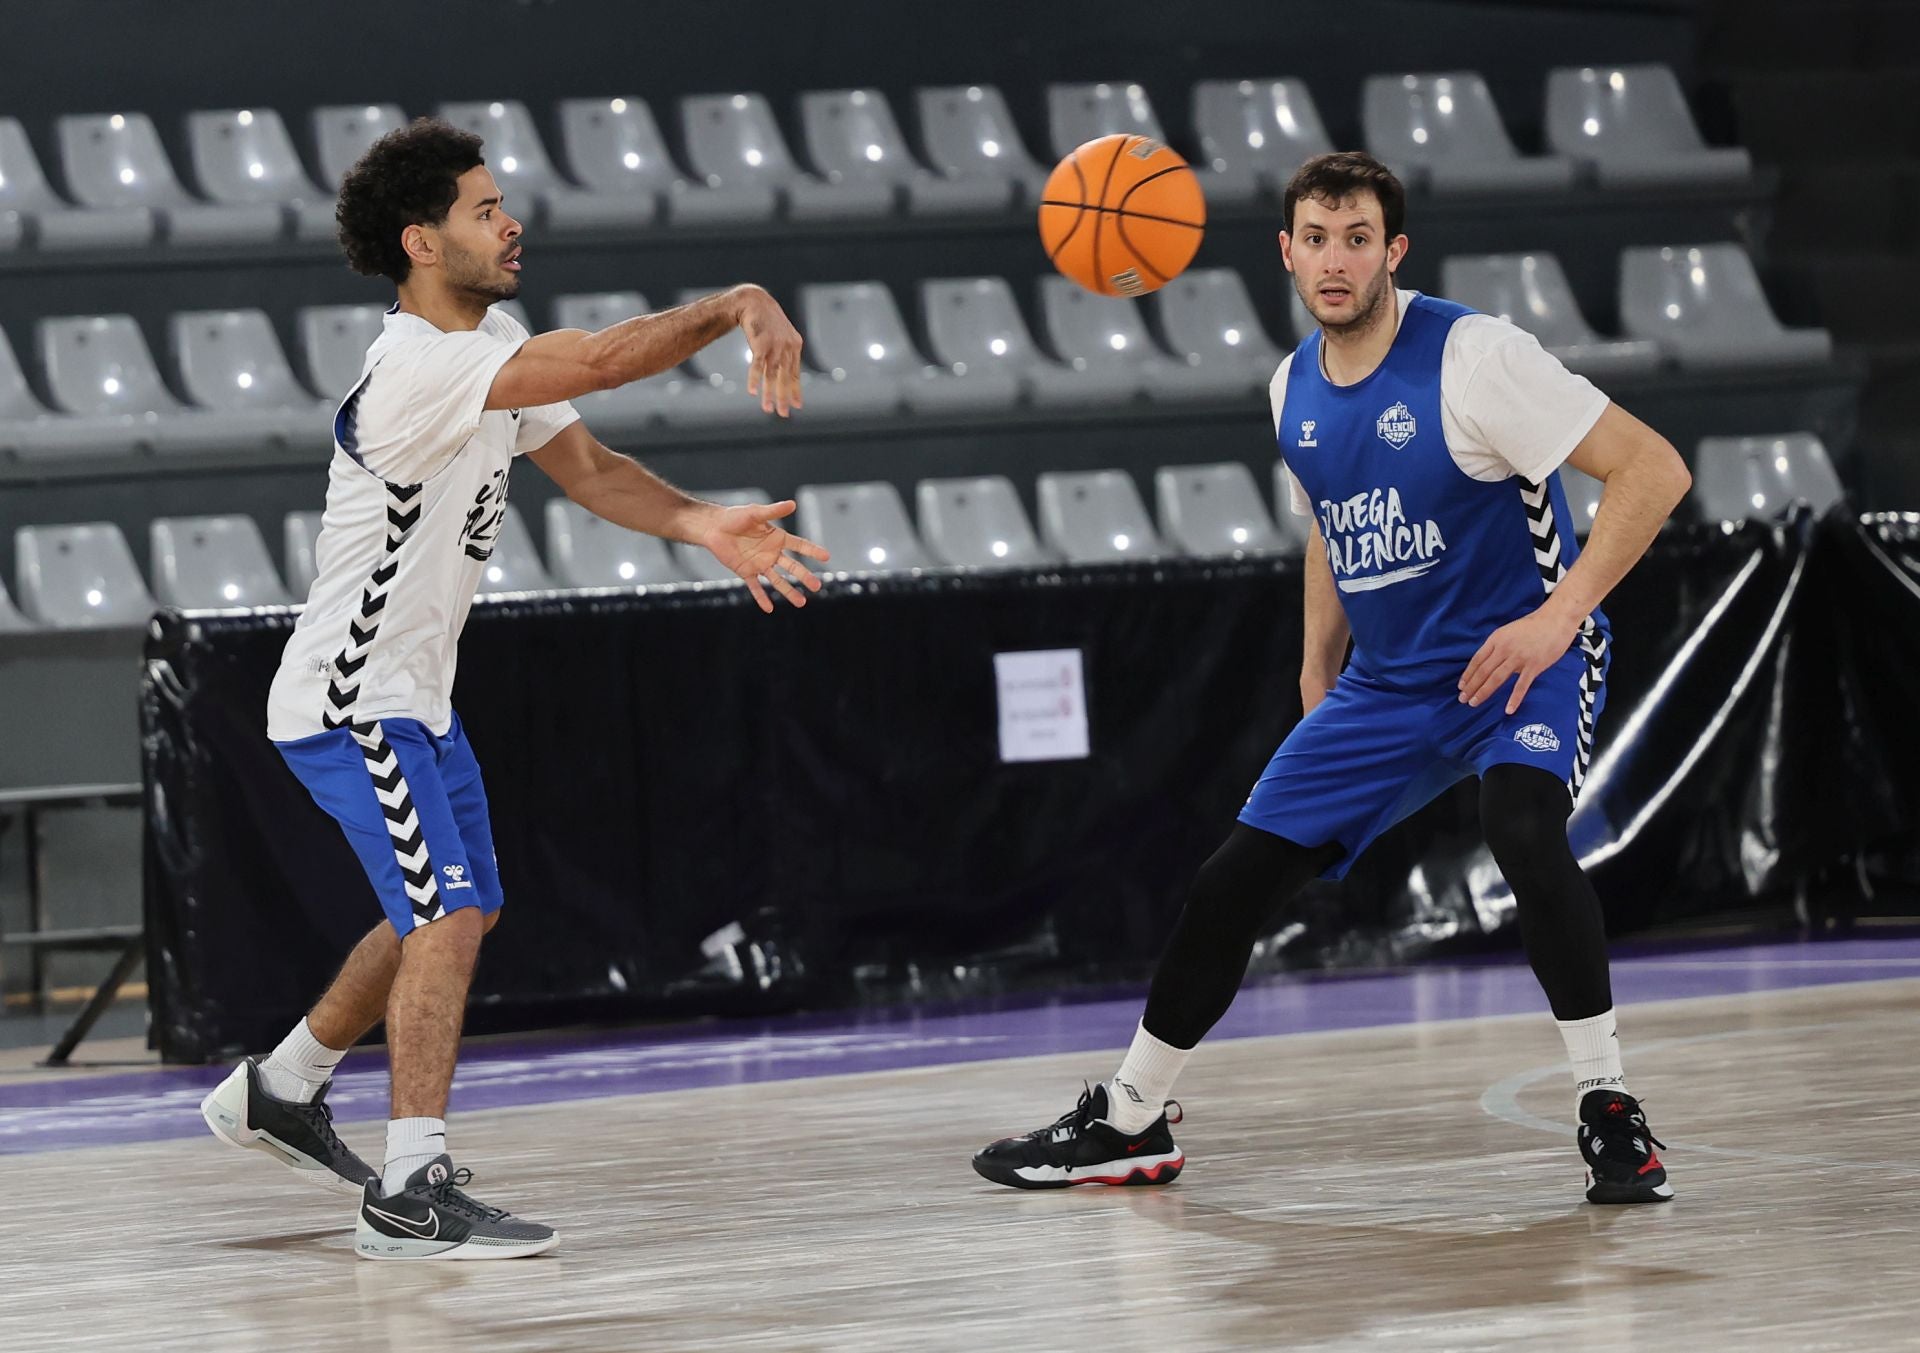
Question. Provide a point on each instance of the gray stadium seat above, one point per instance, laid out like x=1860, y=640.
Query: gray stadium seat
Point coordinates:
x=34, y=433
x=590, y=551
x=211, y=562
x=520, y=166
x=80, y=577
x=333, y=341
x=864, y=526
x=695, y=564
x=1444, y=131
x=614, y=147
x=974, y=322
x=1632, y=127
x=116, y=160
x=855, y=328
x=514, y=565
x=1703, y=305
x=99, y=366
x=978, y=523
x=1096, y=517
x=733, y=138
x=1530, y=290
x=722, y=366
x=1261, y=129
x=851, y=135
x=231, y=361
x=301, y=534
x=1094, y=332
x=621, y=412
x=343, y=132
x=1080, y=113
x=11, y=621
x=244, y=155
x=1736, y=478
x=25, y=195
x=1213, y=511
x=1583, y=497
x=1209, y=319
x=968, y=133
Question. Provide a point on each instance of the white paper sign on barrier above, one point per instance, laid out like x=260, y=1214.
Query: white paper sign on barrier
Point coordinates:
x=1043, y=705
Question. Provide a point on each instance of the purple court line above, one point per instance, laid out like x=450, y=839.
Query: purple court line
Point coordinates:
x=158, y=1105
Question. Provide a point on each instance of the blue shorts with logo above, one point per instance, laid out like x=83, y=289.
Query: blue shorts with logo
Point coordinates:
x=414, y=809
x=1371, y=755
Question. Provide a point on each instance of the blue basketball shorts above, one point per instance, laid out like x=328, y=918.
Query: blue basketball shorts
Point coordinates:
x=413, y=808
x=1370, y=755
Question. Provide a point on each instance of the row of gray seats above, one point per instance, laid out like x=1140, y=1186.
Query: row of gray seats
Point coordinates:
x=242, y=391
x=84, y=576
x=1624, y=126
x=1700, y=306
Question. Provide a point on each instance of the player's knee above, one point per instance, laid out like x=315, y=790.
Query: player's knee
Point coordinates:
x=1523, y=812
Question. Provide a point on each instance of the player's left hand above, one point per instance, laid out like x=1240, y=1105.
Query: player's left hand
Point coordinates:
x=1525, y=648
x=747, y=541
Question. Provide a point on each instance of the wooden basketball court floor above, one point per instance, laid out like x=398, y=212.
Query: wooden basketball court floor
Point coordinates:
x=1374, y=1161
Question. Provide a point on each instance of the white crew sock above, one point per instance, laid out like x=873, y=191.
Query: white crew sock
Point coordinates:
x=300, y=1067
x=1594, y=1049
x=1137, y=1094
x=411, y=1143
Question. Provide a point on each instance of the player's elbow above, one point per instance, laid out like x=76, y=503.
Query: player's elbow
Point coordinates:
x=1676, y=478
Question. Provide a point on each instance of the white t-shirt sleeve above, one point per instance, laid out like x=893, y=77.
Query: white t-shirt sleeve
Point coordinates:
x=424, y=400
x=1297, y=499
x=1514, y=409
x=540, y=424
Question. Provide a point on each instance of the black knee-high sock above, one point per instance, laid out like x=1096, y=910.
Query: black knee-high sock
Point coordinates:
x=1524, y=812
x=1236, y=891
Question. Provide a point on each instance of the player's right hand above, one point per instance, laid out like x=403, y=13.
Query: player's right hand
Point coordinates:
x=774, y=374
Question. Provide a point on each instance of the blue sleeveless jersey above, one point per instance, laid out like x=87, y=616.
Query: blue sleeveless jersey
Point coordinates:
x=1427, y=560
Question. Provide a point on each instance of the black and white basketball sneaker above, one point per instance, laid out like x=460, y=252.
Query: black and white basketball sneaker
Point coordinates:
x=299, y=1136
x=1083, y=1148
x=432, y=1219
x=1622, y=1166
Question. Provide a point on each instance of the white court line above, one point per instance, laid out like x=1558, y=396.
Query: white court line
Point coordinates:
x=1716, y=964
x=1502, y=1100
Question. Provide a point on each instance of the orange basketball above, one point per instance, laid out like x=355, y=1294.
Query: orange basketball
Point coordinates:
x=1122, y=215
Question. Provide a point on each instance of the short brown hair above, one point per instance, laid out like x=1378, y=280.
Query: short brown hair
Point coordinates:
x=1338, y=176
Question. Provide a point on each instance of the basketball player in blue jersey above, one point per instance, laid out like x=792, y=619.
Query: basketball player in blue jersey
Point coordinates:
x=1422, y=441
x=450, y=395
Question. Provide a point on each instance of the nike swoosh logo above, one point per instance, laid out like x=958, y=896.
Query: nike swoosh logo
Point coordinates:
x=1137, y=1146
x=408, y=1225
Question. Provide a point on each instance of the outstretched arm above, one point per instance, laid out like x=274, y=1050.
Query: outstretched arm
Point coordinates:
x=568, y=363
x=1644, y=479
x=628, y=494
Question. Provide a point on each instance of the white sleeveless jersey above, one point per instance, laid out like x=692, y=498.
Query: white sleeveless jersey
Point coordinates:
x=416, y=493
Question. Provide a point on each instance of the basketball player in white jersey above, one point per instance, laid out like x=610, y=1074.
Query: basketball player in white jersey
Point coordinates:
x=452, y=391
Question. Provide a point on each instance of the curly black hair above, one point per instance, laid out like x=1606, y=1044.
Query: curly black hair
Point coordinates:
x=407, y=177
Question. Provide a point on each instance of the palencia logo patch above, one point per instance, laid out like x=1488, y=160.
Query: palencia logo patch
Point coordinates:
x=1396, y=426
x=1537, y=737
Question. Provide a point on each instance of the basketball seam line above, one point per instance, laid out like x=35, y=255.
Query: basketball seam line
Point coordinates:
x=1121, y=214
x=1137, y=215
x=1074, y=160
x=1105, y=183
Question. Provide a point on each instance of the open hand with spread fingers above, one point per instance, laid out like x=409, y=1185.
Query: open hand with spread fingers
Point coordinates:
x=750, y=543
x=1524, y=649
x=774, y=373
